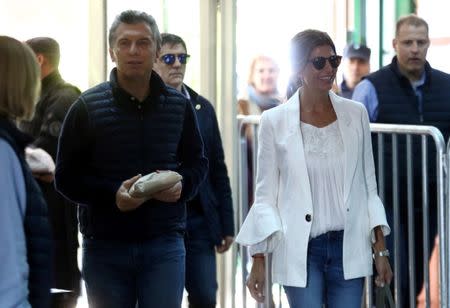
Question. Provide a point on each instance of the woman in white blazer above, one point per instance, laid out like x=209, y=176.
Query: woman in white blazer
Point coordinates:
x=316, y=206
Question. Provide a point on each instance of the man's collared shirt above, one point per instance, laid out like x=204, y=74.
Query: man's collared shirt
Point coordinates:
x=366, y=94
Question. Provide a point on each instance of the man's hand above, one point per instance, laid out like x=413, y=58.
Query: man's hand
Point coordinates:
x=384, y=271
x=171, y=194
x=44, y=177
x=256, y=280
x=225, y=245
x=124, y=201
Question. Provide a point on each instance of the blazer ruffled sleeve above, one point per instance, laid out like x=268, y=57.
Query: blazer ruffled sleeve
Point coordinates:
x=263, y=225
x=377, y=214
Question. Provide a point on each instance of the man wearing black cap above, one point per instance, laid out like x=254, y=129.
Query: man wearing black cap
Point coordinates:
x=356, y=66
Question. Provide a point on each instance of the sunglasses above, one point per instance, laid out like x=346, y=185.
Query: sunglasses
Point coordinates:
x=170, y=58
x=319, y=62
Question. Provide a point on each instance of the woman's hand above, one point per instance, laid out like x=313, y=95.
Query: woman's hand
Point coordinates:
x=381, y=262
x=384, y=271
x=256, y=280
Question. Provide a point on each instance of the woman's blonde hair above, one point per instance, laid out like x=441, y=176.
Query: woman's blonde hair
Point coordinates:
x=20, y=82
x=254, y=61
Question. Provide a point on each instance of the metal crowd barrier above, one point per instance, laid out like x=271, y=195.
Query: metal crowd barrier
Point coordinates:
x=248, y=143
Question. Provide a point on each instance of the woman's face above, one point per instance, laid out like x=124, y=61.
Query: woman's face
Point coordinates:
x=265, y=76
x=316, y=78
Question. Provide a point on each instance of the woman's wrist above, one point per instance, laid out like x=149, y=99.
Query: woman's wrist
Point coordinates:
x=380, y=253
x=258, y=256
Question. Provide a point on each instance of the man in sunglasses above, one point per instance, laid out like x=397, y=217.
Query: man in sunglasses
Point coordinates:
x=210, y=213
x=409, y=91
x=356, y=65
x=132, y=125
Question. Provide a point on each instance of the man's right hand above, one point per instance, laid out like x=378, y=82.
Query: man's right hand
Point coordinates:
x=256, y=280
x=124, y=201
x=171, y=194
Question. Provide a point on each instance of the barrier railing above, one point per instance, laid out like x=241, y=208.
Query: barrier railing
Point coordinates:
x=248, y=142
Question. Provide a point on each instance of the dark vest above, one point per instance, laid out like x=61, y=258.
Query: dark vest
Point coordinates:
x=398, y=104
x=37, y=228
x=128, y=139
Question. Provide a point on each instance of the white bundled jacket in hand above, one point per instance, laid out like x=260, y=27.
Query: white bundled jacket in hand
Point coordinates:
x=154, y=182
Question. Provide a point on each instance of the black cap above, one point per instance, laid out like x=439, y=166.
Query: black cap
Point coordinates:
x=357, y=51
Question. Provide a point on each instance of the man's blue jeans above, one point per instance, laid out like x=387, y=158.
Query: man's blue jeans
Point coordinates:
x=326, y=283
x=120, y=274
x=201, y=281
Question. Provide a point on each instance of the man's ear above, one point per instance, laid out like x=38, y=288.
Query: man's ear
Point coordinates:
x=158, y=52
x=40, y=59
x=112, y=55
x=394, y=44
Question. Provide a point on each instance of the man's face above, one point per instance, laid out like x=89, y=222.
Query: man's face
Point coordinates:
x=134, y=51
x=411, y=46
x=171, y=74
x=354, y=70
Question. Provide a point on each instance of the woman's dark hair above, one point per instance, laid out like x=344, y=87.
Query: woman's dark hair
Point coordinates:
x=302, y=44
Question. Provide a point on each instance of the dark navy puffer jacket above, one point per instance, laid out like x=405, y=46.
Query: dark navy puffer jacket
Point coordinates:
x=37, y=228
x=108, y=137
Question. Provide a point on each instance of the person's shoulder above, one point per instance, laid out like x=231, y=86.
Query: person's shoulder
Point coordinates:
x=199, y=99
x=8, y=156
x=440, y=75
x=348, y=104
x=68, y=89
x=99, y=92
x=279, y=113
x=171, y=95
x=101, y=87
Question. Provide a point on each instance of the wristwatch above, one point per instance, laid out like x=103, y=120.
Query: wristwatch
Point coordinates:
x=381, y=253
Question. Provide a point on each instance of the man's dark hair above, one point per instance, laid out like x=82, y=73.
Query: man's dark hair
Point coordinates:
x=132, y=17
x=47, y=47
x=172, y=40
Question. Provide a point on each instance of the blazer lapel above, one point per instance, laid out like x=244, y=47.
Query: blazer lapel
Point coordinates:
x=350, y=140
x=295, y=141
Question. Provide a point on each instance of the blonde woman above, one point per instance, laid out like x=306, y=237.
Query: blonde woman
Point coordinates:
x=25, y=257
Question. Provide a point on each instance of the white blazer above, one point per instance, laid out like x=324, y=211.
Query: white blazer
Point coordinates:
x=283, y=193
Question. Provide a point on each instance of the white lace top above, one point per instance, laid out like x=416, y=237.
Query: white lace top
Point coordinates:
x=324, y=155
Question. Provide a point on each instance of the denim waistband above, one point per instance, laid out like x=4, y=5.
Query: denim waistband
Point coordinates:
x=330, y=235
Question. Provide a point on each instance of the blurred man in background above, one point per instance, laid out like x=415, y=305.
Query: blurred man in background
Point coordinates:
x=56, y=98
x=356, y=65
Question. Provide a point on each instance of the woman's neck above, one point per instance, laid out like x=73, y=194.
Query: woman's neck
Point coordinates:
x=314, y=101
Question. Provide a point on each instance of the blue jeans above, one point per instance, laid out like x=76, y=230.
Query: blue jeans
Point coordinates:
x=201, y=281
x=120, y=274
x=326, y=283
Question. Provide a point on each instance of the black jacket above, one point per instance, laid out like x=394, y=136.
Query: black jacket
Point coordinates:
x=214, y=193
x=56, y=98
x=108, y=137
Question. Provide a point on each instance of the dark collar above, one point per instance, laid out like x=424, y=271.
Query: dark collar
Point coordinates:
x=50, y=81
x=122, y=97
x=192, y=93
x=396, y=70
